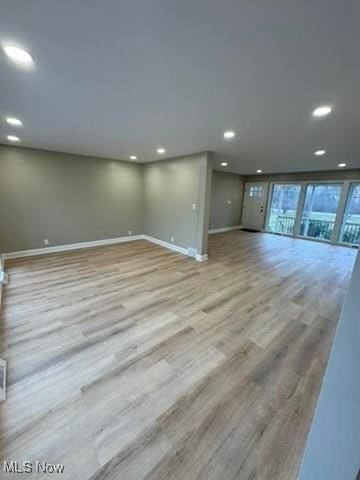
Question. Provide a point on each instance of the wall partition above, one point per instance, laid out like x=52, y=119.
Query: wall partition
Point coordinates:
x=327, y=211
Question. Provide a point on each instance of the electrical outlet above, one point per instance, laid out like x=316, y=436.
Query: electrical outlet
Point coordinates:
x=172, y=239
x=130, y=232
x=194, y=206
x=46, y=241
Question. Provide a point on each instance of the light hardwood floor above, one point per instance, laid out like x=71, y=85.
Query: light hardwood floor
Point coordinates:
x=133, y=362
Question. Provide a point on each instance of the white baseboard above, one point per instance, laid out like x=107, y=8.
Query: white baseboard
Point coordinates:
x=97, y=243
x=171, y=246
x=201, y=258
x=190, y=252
x=70, y=246
x=224, y=229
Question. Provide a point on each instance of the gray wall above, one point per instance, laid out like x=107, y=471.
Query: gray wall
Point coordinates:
x=171, y=187
x=226, y=187
x=66, y=198
x=333, y=446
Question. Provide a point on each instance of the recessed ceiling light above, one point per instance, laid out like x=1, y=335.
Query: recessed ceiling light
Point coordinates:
x=224, y=164
x=133, y=157
x=161, y=150
x=342, y=165
x=322, y=111
x=14, y=121
x=18, y=55
x=12, y=138
x=229, y=134
x=258, y=170
x=320, y=152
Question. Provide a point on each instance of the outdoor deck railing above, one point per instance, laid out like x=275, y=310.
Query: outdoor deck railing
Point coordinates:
x=285, y=224
x=351, y=233
x=316, y=228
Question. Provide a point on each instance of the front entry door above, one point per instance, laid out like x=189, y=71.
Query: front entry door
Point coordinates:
x=253, y=216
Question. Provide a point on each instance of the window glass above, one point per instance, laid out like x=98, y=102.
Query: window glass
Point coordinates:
x=319, y=213
x=283, y=207
x=350, y=231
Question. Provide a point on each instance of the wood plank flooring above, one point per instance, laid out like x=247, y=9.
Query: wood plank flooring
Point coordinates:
x=133, y=362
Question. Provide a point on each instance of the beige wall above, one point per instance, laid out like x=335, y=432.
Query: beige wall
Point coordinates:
x=206, y=173
x=171, y=187
x=71, y=198
x=66, y=198
x=226, y=187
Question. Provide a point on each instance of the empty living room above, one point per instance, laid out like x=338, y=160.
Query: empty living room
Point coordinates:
x=179, y=233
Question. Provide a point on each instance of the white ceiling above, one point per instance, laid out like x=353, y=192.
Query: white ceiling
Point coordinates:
x=114, y=78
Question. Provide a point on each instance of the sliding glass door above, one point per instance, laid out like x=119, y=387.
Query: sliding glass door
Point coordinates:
x=325, y=211
x=350, y=230
x=319, y=212
x=283, y=208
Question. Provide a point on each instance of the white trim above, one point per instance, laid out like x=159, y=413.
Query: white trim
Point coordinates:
x=98, y=243
x=171, y=246
x=224, y=229
x=70, y=246
x=246, y=197
x=177, y=248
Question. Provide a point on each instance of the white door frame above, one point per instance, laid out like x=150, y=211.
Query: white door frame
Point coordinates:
x=265, y=186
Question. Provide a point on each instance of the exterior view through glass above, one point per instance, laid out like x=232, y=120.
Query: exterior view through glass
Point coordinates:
x=284, y=204
x=319, y=212
x=350, y=231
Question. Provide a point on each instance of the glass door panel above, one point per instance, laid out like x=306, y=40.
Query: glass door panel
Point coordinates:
x=350, y=230
x=319, y=212
x=283, y=207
